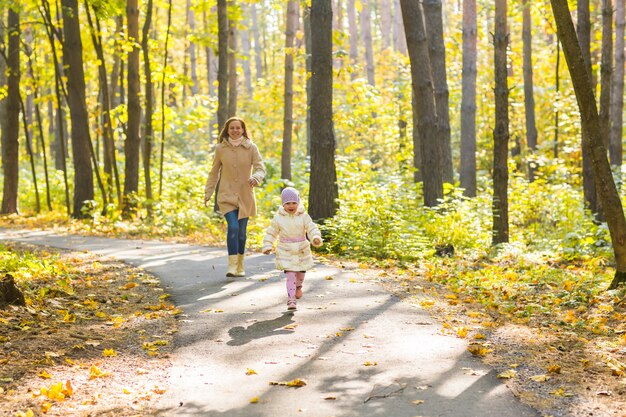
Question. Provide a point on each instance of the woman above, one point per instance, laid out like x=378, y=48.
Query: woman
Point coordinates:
x=238, y=167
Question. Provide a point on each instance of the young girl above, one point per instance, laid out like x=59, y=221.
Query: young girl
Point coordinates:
x=239, y=168
x=292, y=226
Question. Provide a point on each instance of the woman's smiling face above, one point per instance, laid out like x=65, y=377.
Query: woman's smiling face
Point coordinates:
x=235, y=129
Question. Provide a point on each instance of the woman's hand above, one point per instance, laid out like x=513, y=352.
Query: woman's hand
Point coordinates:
x=253, y=182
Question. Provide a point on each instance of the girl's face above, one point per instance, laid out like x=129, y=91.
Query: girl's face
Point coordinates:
x=235, y=129
x=290, y=207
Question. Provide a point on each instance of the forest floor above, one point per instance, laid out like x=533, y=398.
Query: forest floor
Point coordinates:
x=47, y=353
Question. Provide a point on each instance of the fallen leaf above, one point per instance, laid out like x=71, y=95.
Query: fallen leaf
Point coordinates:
x=417, y=402
x=511, y=373
x=251, y=372
x=479, y=350
x=44, y=374
x=254, y=400
x=368, y=363
x=330, y=397
x=554, y=369
x=109, y=352
x=95, y=372
x=540, y=378
x=293, y=383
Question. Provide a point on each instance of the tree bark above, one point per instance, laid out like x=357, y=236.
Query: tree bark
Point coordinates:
x=193, y=59
x=232, y=66
x=246, y=52
x=385, y=23
x=306, y=23
x=165, y=60
x=424, y=105
x=290, y=35
x=257, y=43
x=366, y=31
x=529, y=98
x=581, y=79
x=468, y=100
x=354, y=39
x=222, y=69
x=148, y=131
x=606, y=70
x=81, y=152
x=132, y=142
x=500, y=204
x=11, y=119
x=399, y=37
x=433, y=16
x=323, y=190
x=617, y=94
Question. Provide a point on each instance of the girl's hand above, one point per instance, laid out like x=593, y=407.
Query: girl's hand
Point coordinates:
x=253, y=182
x=316, y=242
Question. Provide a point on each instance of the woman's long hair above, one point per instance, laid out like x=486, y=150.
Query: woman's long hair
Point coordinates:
x=224, y=133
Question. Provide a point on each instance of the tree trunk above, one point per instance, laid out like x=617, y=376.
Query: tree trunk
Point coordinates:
x=290, y=35
x=433, y=16
x=424, y=105
x=500, y=205
x=468, y=100
x=81, y=152
x=617, y=94
x=210, y=59
x=306, y=22
x=323, y=190
x=557, y=89
x=148, y=131
x=366, y=31
x=354, y=39
x=222, y=69
x=10, y=294
x=246, y=52
x=581, y=79
x=399, y=37
x=606, y=70
x=257, y=43
x=529, y=98
x=11, y=119
x=165, y=60
x=584, y=36
x=115, y=71
x=193, y=60
x=132, y=142
x=385, y=23
x=232, y=66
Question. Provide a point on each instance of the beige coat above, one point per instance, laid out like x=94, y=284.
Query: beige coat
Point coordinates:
x=293, y=251
x=233, y=166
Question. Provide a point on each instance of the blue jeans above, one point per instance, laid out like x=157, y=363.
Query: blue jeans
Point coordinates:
x=236, y=234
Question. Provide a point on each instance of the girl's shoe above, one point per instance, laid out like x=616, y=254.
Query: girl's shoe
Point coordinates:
x=299, y=292
x=291, y=305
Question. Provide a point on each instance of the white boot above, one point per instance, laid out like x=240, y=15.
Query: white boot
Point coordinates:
x=240, y=271
x=232, y=266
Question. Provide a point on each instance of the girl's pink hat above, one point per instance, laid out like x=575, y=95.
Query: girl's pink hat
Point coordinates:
x=290, y=195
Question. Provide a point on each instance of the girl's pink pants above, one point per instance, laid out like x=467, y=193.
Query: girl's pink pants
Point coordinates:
x=294, y=279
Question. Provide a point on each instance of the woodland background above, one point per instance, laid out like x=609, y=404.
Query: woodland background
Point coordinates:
x=441, y=140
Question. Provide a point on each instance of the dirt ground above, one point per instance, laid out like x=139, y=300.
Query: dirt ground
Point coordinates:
x=102, y=348
x=95, y=346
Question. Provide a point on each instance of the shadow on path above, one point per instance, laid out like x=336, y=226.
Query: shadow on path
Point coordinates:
x=241, y=335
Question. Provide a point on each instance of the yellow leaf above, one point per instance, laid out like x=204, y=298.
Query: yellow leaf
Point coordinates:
x=251, y=372
x=428, y=303
x=540, y=378
x=368, y=363
x=44, y=374
x=328, y=278
x=28, y=413
x=254, y=400
x=293, y=383
x=346, y=329
x=479, y=336
x=462, y=331
x=554, y=369
x=158, y=390
x=478, y=350
x=95, y=372
x=109, y=352
x=45, y=407
x=128, y=286
x=417, y=402
x=69, y=318
x=126, y=391
x=511, y=373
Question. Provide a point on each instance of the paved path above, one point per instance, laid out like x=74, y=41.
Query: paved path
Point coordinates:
x=213, y=351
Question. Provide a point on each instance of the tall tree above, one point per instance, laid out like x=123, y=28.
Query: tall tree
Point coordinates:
x=81, y=141
x=366, y=31
x=354, y=38
x=148, y=131
x=385, y=22
x=606, y=70
x=222, y=69
x=232, y=65
x=290, y=35
x=584, y=36
x=11, y=116
x=193, y=56
x=399, y=38
x=165, y=61
x=424, y=103
x=617, y=94
x=468, y=100
x=529, y=97
x=433, y=16
x=500, y=204
x=132, y=141
x=306, y=23
x=581, y=79
x=323, y=190
x=246, y=52
x=257, y=42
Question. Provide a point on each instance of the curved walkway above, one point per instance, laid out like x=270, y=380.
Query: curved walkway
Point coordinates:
x=361, y=351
